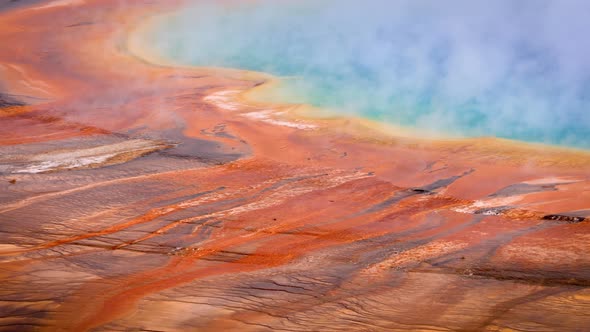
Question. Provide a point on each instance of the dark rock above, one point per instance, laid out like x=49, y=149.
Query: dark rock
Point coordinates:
x=420, y=191
x=561, y=217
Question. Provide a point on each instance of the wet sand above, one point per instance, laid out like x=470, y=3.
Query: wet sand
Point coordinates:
x=147, y=197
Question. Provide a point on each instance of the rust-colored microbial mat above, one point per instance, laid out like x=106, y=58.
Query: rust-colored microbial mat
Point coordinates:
x=143, y=197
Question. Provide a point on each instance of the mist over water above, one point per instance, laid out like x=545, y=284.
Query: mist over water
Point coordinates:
x=511, y=69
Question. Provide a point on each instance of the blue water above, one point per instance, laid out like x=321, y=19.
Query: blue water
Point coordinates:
x=511, y=69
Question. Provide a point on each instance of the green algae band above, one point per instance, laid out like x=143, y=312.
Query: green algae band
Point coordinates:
x=509, y=69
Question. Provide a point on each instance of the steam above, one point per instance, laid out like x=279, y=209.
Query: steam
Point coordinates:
x=514, y=69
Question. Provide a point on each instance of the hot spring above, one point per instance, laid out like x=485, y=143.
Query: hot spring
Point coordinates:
x=510, y=69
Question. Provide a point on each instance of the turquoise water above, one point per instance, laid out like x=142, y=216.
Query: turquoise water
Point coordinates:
x=509, y=69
